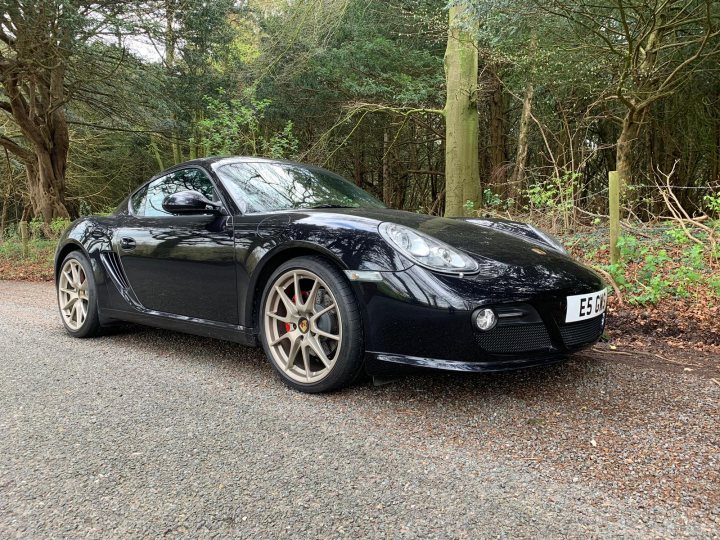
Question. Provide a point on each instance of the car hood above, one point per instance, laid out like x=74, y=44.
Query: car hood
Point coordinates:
x=480, y=238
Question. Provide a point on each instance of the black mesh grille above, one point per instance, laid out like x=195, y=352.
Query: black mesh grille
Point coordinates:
x=112, y=263
x=514, y=338
x=583, y=332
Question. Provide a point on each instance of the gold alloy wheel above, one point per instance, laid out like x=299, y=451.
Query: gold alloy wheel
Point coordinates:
x=303, y=326
x=73, y=294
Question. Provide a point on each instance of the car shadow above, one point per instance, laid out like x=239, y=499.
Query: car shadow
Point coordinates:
x=435, y=388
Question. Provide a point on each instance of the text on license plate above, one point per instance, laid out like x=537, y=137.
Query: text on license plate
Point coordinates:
x=585, y=306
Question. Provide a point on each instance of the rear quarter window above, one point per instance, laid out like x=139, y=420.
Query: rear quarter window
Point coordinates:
x=137, y=202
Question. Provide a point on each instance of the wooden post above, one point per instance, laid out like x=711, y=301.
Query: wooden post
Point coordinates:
x=24, y=237
x=614, y=178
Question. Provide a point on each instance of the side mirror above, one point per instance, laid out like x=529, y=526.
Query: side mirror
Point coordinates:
x=189, y=203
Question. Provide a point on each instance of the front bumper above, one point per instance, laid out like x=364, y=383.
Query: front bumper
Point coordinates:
x=420, y=319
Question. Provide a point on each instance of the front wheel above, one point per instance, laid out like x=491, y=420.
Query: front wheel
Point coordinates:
x=310, y=326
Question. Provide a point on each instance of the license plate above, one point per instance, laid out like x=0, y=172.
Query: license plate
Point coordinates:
x=585, y=306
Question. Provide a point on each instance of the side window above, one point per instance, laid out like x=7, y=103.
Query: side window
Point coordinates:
x=183, y=180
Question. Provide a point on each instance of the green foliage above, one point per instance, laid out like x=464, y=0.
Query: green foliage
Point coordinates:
x=39, y=250
x=59, y=226
x=38, y=230
x=554, y=194
x=235, y=127
x=712, y=203
x=650, y=272
x=495, y=201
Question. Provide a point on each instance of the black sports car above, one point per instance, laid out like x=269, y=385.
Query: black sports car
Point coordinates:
x=327, y=279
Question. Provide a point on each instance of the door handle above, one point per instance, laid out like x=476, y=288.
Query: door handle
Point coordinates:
x=127, y=243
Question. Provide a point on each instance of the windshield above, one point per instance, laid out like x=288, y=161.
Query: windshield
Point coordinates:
x=264, y=187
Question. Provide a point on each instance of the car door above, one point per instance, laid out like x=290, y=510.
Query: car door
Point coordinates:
x=179, y=264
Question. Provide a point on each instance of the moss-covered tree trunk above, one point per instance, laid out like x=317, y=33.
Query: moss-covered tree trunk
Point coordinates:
x=517, y=183
x=628, y=134
x=518, y=177
x=497, y=138
x=35, y=103
x=462, y=175
x=387, y=173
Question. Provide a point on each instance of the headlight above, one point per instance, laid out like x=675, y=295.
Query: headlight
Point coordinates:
x=426, y=250
x=550, y=240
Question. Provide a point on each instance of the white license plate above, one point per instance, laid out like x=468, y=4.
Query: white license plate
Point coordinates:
x=585, y=306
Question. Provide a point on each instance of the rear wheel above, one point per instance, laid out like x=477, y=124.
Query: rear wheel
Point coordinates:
x=310, y=326
x=77, y=297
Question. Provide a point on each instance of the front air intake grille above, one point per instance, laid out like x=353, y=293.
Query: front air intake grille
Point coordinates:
x=514, y=338
x=112, y=263
x=583, y=332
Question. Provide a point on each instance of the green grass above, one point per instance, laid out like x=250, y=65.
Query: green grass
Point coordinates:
x=37, y=265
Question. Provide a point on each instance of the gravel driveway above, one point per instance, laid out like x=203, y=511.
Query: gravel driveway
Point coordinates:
x=152, y=433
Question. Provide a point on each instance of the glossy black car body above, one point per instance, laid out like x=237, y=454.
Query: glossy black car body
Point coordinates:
x=204, y=274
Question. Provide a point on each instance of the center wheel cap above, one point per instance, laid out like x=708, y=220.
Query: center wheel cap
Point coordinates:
x=304, y=325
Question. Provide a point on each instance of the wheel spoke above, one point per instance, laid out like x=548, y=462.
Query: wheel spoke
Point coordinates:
x=75, y=275
x=306, y=362
x=289, y=305
x=279, y=339
x=310, y=302
x=322, y=312
x=317, y=349
x=294, y=348
x=281, y=318
x=296, y=288
x=327, y=335
x=84, y=308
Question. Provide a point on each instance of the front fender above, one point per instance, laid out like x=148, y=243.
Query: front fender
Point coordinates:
x=353, y=240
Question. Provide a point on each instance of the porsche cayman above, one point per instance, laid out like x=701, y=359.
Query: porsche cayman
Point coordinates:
x=331, y=283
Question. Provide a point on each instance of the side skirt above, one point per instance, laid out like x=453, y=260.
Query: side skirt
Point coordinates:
x=188, y=325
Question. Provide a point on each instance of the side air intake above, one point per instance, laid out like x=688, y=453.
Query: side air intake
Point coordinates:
x=111, y=260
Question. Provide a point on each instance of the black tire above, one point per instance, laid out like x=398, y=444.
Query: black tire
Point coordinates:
x=91, y=325
x=350, y=359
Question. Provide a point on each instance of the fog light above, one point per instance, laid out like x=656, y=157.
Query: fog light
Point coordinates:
x=485, y=319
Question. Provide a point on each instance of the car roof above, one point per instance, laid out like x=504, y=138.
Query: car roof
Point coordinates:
x=216, y=161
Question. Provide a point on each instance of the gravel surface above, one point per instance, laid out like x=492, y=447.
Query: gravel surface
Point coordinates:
x=153, y=433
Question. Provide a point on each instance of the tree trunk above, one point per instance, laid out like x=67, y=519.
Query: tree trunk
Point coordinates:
x=46, y=183
x=498, y=156
x=3, y=215
x=359, y=159
x=36, y=106
x=462, y=175
x=387, y=183
x=6, y=196
x=628, y=134
x=518, y=177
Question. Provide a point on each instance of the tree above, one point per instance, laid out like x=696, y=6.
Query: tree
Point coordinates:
x=49, y=55
x=198, y=40
x=462, y=175
x=653, y=48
